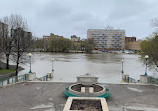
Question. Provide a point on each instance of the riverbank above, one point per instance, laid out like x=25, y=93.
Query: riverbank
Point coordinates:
x=5, y=71
x=42, y=96
x=8, y=72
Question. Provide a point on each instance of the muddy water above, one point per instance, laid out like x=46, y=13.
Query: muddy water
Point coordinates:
x=67, y=66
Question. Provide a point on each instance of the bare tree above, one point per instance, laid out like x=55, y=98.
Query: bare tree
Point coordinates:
x=22, y=40
x=15, y=38
x=6, y=38
x=0, y=51
x=154, y=23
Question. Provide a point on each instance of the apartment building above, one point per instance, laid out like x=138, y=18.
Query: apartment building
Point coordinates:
x=108, y=38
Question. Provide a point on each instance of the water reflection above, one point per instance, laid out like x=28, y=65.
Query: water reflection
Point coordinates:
x=67, y=66
x=104, y=58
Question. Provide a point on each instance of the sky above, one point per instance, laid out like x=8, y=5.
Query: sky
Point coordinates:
x=75, y=17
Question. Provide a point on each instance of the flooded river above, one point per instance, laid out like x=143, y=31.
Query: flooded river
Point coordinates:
x=67, y=66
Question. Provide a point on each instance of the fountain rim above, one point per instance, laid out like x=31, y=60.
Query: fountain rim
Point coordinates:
x=103, y=90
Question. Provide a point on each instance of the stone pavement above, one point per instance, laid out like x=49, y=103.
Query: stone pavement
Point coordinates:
x=48, y=96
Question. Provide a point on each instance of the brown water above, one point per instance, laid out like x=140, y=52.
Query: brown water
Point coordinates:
x=67, y=66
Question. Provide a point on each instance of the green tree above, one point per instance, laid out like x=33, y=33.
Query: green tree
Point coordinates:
x=37, y=44
x=150, y=47
x=60, y=45
x=76, y=46
x=89, y=45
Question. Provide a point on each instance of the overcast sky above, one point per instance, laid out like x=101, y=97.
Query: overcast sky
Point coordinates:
x=74, y=17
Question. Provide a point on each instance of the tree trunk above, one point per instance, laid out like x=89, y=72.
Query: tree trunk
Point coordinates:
x=0, y=65
x=17, y=66
x=7, y=61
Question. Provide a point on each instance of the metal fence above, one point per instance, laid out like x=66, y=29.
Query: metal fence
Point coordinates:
x=22, y=78
x=127, y=79
x=44, y=78
x=131, y=80
x=153, y=80
x=12, y=80
x=47, y=77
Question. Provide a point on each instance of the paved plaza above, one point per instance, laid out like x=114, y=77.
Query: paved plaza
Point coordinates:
x=48, y=96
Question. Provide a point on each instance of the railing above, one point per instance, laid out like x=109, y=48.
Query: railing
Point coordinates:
x=131, y=80
x=12, y=80
x=46, y=77
x=22, y=78
x=153, y=80
x=127, y=79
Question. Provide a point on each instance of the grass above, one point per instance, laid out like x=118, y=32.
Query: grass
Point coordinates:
x=5, y=71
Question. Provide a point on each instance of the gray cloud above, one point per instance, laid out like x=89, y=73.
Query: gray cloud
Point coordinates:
x=69, y=17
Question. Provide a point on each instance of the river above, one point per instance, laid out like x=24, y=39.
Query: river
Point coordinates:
x=67, y=66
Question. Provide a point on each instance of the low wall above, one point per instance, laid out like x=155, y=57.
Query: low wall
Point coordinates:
x=30, y=76
x=87, y=80
x=148, y=80
x=88, y=103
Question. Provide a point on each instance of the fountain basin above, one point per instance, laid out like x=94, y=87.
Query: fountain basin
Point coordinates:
x=80, y=90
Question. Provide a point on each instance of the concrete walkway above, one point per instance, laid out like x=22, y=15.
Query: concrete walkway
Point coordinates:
x=48, y=96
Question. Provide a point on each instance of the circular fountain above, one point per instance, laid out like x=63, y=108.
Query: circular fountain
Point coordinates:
x=86, y=86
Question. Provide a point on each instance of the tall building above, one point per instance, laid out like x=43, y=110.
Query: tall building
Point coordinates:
x=107, y=38
x=3, y=29
x=24, y=35
x=3, y=33
x=21, y=32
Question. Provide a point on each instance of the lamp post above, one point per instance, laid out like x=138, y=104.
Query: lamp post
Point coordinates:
x=122, y=67
x=52, y=65
x=146, y=62
x=30, y=61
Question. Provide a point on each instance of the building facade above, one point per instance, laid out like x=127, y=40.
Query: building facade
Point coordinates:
x=3, y=33
x=22, y=33
x=130, y=39
x=46, y=39
x=74, y=38
x=22, y=36
x=108, y=38
x=133, y=45
x=3, y=29
x=51, y=36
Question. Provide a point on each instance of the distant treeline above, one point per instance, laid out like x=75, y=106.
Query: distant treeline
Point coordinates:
x=62, y=45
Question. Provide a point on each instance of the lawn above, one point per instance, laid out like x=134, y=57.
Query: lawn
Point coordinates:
x=5, y=71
